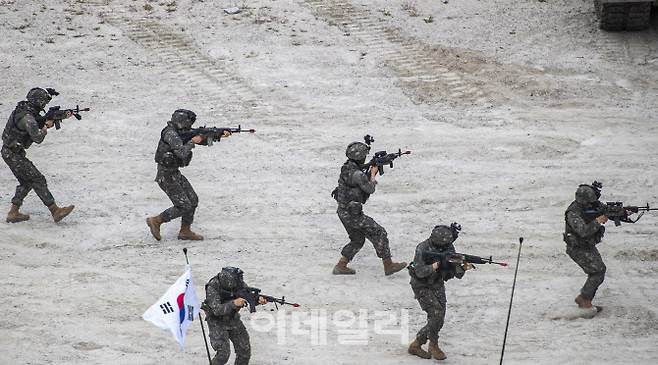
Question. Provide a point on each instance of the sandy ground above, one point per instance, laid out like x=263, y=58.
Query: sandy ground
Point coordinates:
x=507, y=107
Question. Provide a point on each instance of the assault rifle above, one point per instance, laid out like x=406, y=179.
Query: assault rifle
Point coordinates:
x=211, y=134
x=251, y=296
x=381, y=158
x=617, y=212
x=457, y=258
x=56, y=114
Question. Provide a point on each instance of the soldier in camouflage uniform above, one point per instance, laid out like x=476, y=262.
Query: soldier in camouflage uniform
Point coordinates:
x=172, y=154
x=354, y=188
x=582, y=233
x=25, y=126
x=224, y=324
x=427, y=283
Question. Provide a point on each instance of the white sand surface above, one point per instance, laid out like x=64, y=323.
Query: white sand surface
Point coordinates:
x=507, y=106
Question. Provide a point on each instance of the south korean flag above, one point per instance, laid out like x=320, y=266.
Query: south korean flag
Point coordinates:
x=177, y=308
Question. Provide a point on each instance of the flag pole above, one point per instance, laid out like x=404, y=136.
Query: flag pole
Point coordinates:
x=509, y=312
x=203, y=330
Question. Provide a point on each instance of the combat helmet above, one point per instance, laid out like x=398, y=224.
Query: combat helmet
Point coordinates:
x=586, y=194
x=183, y=118
x=230, y=278
x=443, y=235
x=38, y=98
x=357, y=151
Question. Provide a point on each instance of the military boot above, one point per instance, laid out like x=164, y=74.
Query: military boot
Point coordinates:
x=59, y=213
x=436, y=352
x=187, y=234
x=415, y=349
x=341, y=267
x=14, y=216
x=583, y=302
x=391, y=267
x=154, y=224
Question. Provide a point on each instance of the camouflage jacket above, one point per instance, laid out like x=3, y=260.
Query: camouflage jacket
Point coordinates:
x=581, y=230
x=423, y=274
x=218, y=303
x=23, y=127
x=172, y=153
x=353, y=185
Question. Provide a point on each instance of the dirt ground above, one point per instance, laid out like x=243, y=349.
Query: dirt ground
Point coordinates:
x=507, y=106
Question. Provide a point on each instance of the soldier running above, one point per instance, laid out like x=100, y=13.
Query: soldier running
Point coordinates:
x=582, y=232
x=427, y=283
x=172, y=154
x=222, y=313
x=25, y=126
x=354, y=188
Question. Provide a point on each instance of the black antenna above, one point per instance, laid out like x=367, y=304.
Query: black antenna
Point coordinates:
x=509, y=312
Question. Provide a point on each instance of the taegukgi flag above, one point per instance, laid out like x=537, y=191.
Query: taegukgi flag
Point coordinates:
x=177, y=308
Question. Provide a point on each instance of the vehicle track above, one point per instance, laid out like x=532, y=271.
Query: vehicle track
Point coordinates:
x=428, y=74
x=634, y=48
x=204, y=77
x=422, y=78
x=637, y=51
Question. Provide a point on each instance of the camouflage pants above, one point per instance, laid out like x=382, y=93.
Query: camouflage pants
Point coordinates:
x=589, y=259
x=181, y=194
x=362, y=227
x=28, y=176
x=433, y=302
x=223, y=331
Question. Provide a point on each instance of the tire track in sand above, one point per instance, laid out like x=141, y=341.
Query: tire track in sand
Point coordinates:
x=429, y=74
x=204, y=77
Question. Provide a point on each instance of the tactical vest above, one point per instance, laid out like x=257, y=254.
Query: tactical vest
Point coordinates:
x=571, y=237
x=224, y=297
x=437, y=278
x=346, y=191
x=164, y=154
x=13, y=136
